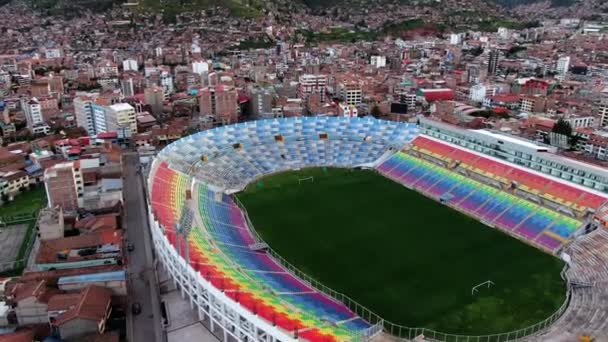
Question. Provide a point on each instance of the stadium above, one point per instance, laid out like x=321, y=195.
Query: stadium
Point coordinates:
x=203, y=188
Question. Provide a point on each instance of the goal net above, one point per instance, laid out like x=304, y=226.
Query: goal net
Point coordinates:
x=306, y=179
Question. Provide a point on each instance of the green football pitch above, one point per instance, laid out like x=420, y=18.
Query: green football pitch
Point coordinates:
x=406, y=257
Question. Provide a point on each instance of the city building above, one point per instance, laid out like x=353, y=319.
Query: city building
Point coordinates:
x=83, y=110
x=114, y=117
x=64, y=185
x=50, y=223
x=16, y=182
x=103, y=248
x=130, y=65
x=479, y=92
x=200, y=67
x=30, y=302
x=563, y=65
x=127, y=87
x=347, y=110
x=155, y=98
x=493, y=57
x=350, y=91
x=33, y=112
x=603, y=113
x=220, y=102
x=261, y=102
x=378, y=61
x=455, y=39
x=166, y=82
x=75, y=315
x=309, y=84
x=581, y=121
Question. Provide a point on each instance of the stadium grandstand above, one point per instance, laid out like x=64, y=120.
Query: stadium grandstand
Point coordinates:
x=205, y=240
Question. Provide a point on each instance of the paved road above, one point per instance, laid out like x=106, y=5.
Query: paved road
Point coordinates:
x=145, y=327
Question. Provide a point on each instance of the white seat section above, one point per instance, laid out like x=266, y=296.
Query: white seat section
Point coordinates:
x=232, y=156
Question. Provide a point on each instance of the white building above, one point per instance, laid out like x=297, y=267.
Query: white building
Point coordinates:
x=310, y=84
x=83, y=111
x=378, y=61
x=195, y=48
x=479, y=92
x=33, y=112
x=563, y=65
x=593, y=28
x=166, y=81
x=52, y=53
x=130, y=65
x=603, y=114
x=41, y=128
x=127, y=88
x=581, y=121
x=121, y=115
x=348, y=110
x=455, y=39
x=107, y=70
x=99, y=119
x=503, y=33
x=200, y=67
x=149, y=70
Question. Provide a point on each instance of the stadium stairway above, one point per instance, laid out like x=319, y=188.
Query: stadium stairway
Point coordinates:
x=587, y=313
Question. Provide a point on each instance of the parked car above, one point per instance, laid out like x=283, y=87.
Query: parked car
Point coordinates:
x=130, y=247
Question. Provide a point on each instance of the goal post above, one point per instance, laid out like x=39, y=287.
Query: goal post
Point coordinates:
x=475, y=288
x=310, y=179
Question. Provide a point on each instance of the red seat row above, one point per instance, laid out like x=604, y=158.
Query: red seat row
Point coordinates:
x=542, y=184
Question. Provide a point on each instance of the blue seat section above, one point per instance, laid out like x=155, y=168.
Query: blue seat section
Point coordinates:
x=219, y=219
x=514, y=216
x=443, y=186
x=534, y=225
x=461, y=191
x=283, y=282
x=493, y=208
x=231, y=156
x=426, y=182
x=475, y=200
x=389, y=164
x=562, y=229
x=356, y=324
x=411, y=173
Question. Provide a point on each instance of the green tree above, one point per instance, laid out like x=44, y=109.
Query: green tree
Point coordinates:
x=562, y=127
x=573, y=141
x=376, y=112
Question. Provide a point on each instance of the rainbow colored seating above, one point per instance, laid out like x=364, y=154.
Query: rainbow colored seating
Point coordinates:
x=538, y=225
x=553, y=190
x=167, y=196
x=219, y=251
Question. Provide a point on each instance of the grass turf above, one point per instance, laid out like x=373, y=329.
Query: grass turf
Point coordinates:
x=408, y=258
x=25, y=205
